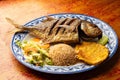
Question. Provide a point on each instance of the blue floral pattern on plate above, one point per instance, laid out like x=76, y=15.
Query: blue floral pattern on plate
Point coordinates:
x=77, y=68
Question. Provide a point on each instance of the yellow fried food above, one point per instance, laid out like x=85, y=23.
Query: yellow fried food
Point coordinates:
x=91, y=52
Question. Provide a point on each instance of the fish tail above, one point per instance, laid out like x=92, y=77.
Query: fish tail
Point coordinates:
x=13, y=23
x=14, y=31
x=17, y=26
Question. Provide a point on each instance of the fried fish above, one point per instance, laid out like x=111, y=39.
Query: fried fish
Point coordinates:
x=67, y=30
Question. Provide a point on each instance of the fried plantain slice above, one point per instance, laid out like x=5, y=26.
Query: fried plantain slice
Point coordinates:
x=91, y=52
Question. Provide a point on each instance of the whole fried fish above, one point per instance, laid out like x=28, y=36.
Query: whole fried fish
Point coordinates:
x=67, y=30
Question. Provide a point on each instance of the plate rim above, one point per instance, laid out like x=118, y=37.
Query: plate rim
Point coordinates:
x=73, y=72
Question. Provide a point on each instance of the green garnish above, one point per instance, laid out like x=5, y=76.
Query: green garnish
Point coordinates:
x=18, y=43
x=48, y=61
x=103, y=40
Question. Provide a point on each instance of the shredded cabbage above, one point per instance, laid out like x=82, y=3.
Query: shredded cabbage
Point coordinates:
x=33, y=53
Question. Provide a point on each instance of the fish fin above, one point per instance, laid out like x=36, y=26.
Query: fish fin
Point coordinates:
x=13, y=23
x=48, y=18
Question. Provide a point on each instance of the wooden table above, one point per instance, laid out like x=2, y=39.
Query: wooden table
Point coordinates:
x=25, y=10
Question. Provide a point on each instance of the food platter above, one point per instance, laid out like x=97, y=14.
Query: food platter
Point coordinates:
x=77, y=68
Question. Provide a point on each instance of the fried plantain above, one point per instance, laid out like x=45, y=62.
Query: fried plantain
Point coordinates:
x=91, y=52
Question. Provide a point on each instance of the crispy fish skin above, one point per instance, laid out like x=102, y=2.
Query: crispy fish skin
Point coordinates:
x=65, y=30
x=66, y=33
x=56, y=28
x=67, y=22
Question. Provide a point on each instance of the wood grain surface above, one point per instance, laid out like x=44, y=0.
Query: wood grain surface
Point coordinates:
x=23, y=11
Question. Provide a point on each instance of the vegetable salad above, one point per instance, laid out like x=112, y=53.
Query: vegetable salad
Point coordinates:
x=35, y=52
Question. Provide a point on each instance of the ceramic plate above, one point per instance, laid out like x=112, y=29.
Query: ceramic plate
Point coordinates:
x=77, y=68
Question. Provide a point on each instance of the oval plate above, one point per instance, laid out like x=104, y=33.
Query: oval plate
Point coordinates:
x=77, y=68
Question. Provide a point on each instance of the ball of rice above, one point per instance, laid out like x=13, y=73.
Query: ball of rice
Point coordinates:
x=62, y=55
